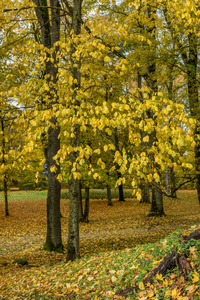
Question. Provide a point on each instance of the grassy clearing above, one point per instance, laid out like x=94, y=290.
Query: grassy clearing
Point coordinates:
x=94, y=194
x=101, y=194
x=109, y=260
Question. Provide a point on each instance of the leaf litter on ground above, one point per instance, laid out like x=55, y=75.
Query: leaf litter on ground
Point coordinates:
x=113, y=262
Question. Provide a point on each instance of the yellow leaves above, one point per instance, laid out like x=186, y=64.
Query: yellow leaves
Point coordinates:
x=107, y=59
x=53, y=169
x=141, y=286
x=195, y=278
x=96, y=176
x=159, y=277
x=98, y=151
x=101, y=163
x=146, y=139
x=156, y=177
x=59, y=177
x=105, y=148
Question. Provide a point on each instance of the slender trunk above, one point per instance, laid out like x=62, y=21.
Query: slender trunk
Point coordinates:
x=173, y=183
x=145, y=192
x=80, y=201
x=191, y=64
x=73, y=251
x=109, y=197
x=119, y=175
x=53, y=237
x=171, y=173
x=5, y=190
x=121, y=189
x=51, y=35
x=5, y=187
x=87, y=204
x=157, y=197
x=192, y=81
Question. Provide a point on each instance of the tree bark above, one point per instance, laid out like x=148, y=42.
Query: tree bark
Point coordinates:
x=119, y=175
x=173, y=183
x=51, y=35
x=109, y=197
x=120, y=188
x=156, y=203
x=73, y=251
x=80, y=201
x=190, y=59
x=87, y=204
x=151, y=79
x=192, y=81
x=145, y=192
x=5, y=186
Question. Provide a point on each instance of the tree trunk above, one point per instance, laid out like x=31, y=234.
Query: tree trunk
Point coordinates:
x=151, y=78
x=109, y=195
x=80, y=201
x=173, y=183
x=156, y=203
x=87, y=204
x=5, y=187
x=191, y=64
x=5, y=190
x=145, y=193
x=119, y=175
x=73, y=251
x=120, y=187
x=51, y=35
x=192, y=79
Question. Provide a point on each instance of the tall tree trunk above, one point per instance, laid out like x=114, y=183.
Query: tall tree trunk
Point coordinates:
x=109, y=197
x=5, y=187
x=119, y=175
x=171, y=173
x=73, y=251
x=80, y=201
x=191, y=64
x=120, y=188
x=157, y=203
x=51, y=35
x=192, y=81
x=145, y=192
x=173, y=183
x=87, y=204
x=157, y=197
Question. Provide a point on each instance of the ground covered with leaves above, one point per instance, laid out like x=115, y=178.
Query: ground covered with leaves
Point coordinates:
x=117, y=246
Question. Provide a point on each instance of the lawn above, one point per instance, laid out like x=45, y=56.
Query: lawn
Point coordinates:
x=120, y=228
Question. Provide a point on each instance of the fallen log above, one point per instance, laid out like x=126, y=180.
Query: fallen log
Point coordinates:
x=172, y=260
x=166, y=264
x=169, y=262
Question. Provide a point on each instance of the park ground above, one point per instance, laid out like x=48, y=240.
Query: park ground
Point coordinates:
x=107, y=245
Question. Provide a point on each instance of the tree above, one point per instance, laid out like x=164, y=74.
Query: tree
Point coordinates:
x=50, y=36
x=187, y=31
x=73, y=251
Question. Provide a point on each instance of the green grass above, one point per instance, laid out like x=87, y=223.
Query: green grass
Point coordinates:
x=94, y=194
x=29, y=195
x=101, y=194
